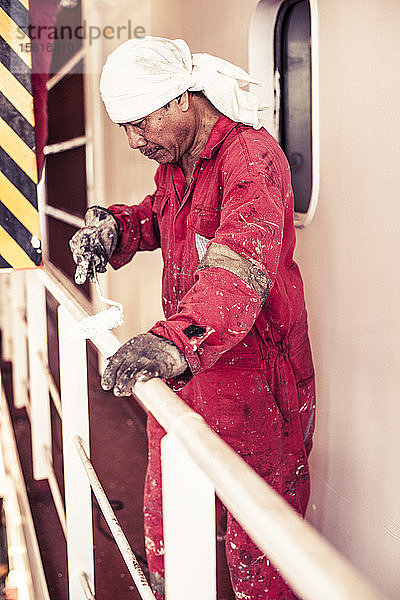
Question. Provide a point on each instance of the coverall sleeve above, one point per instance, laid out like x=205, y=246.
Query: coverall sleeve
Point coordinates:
x=138, y=228
x=234, y=278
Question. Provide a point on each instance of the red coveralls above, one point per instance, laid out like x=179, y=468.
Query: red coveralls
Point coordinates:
x=251, y=373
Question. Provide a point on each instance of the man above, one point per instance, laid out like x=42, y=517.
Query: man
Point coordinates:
x=234, y=341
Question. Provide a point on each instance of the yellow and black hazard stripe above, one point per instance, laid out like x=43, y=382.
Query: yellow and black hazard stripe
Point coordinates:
x=19, y=216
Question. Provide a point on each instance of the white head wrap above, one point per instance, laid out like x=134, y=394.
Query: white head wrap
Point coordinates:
x=142, y=75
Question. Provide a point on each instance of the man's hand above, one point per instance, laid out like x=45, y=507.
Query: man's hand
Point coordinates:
x=143, y=357
x=93, y=245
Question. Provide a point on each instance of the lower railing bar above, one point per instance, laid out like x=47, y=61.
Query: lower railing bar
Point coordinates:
x=130, y=560
x=63, y=216
x=63, y=146
x=55, y=490
x=67, y=68
x=86, y=587
x=54, y=393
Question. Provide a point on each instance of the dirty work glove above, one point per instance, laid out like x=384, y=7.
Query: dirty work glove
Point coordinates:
x=93, y=245
x=143, y=357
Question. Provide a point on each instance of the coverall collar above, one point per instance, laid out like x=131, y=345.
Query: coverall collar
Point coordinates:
x=219, y=132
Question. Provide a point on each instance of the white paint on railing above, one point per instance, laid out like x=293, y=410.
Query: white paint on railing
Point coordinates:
x=115, y=528
x=189, y=525
x=39, y=394
x=78, y=502
x=105, y=341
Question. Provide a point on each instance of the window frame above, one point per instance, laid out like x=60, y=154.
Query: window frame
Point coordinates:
x=262, y=66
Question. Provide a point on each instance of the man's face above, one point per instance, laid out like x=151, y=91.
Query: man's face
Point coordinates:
x=163, y=135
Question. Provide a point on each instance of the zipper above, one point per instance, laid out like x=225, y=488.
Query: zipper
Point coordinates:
x=176, y=191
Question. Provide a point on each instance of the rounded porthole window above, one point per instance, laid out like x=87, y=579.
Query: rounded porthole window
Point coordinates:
x=286, y=60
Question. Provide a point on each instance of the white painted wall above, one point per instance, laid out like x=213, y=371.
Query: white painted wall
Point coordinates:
x=349, y=256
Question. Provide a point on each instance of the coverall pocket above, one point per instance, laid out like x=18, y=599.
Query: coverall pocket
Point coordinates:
x=300, y=352
x=159, y=202
x=247, y=412
x=203, y=221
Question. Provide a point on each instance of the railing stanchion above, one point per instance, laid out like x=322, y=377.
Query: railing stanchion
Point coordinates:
x=6, y=338
x=39, y=392
x=75, y=421
x=189, y=525
x=19, y=354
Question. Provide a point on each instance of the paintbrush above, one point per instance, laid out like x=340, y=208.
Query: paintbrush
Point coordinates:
x=109, y=318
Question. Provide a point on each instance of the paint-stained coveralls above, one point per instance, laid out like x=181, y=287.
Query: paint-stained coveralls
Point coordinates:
x=234, y=305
